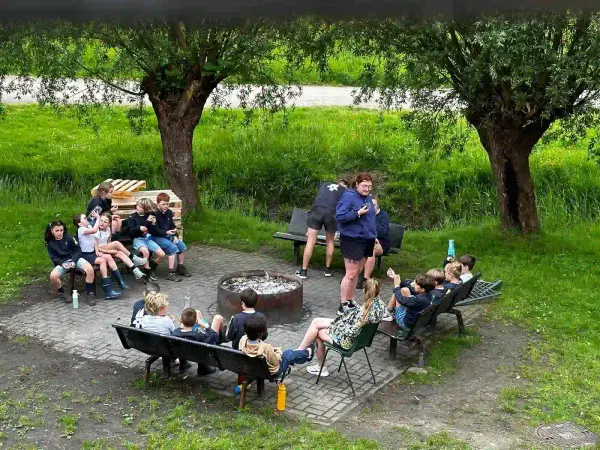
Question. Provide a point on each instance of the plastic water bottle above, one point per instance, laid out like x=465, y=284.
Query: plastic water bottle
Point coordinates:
x=75, y=299
x=451, y=251
x=281, y=397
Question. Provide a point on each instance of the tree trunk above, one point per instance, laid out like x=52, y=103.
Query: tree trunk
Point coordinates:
x=177, y=117
x=509, y=147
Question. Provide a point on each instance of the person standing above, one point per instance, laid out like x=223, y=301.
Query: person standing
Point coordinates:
x=382, y=243
x=355, y=215
x=322, y=214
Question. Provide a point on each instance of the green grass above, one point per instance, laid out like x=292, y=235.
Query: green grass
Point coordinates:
x=69, y=423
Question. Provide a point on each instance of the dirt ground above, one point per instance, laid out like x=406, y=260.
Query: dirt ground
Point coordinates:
x=40, y=388
x=465, y=404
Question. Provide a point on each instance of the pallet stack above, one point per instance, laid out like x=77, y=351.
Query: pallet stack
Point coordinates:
x=127, y=193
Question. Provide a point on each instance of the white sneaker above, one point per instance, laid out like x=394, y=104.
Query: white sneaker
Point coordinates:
x=137, y=261
x=314, y=370
x=388, y=316
x=138, y=273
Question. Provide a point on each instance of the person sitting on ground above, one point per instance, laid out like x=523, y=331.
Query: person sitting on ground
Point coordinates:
x=405, y=306
x=165, y=235
x=452, y=271
x=157, y=320
x=252, y=344
x=195, y=328
x=235, y=330
x=140, y=225
x=66, y=256
x=89, y=252
x=467, y=262
x=439, y=277
x=138, y=307
x=114, y=249
x=345, y=328
x=322, y=214
x=102, y=202
x=382, y=243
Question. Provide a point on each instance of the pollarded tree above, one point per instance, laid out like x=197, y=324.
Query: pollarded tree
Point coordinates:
x=178, y=66
x=511, y=76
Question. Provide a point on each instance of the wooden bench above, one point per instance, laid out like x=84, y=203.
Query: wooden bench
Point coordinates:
x=296, y=232
x=73, y=273
x=171, y=347
x=122, y=188
x=427, y=317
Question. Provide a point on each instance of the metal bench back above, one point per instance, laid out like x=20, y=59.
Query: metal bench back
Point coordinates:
x=447, y=301
x=238, y=362
x=464, y=290
x=396, y=235
x=423, y=319
x=194, y=351
x=144, y=341
x=297, y=223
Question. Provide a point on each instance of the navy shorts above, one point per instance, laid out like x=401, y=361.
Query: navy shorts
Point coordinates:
x=356, y=249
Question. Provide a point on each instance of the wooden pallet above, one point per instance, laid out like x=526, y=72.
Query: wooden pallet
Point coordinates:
x=123, y=188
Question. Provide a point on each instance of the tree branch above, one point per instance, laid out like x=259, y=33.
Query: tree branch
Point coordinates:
x=115, y=86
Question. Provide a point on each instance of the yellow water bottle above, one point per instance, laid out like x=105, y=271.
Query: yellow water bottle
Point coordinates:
x=281, y=394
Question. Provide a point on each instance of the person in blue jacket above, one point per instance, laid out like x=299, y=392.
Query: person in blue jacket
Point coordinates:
x=355, y=216
x=382, y=243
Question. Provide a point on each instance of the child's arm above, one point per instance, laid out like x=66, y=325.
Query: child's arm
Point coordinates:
x=95, y=228
x=74, y=250
x=409, y=302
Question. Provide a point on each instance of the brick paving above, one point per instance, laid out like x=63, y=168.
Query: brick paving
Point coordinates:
x=87, y=332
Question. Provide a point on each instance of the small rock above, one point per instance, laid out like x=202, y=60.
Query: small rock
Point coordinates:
x=417, y=370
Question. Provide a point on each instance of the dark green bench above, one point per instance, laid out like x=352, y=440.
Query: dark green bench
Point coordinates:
x=296, y=232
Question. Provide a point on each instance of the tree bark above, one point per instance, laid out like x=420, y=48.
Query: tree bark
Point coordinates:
x=509, y=146
x=178, y=115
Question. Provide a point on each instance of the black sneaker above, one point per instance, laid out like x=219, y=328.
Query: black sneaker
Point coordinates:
x=90, y=299
x=342, y=309
x=185, y=367
x=172, y=276
x=302, y=273
x=152, y=275
x=327, y=271
x=64, y=297
x=312, y=350
x=351, y=304
x=360, y=284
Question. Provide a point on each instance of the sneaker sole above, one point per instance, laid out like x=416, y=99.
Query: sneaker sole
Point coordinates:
x=327, y=274
x=323, y=374
x=304, y=277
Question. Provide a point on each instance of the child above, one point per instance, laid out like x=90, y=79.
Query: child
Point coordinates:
x=236, y=329
x=468, y=262
x=102, y=202
x=439, y=277
x=406, y=306
x=157, y=320
x=66, y=256
x=452, y=271
x=195, y=328
x=165, y=235
x=108, y=249
x=89, y=252
x=141, y=225
x=278, y=362
x=138, y=307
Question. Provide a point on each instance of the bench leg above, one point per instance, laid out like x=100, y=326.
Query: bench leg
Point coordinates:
x=324, y=359
x=421, y=353
x=369, y=363
x=243, y=394
x=260, y=387
x=393, y=346
x=166, y=366
x=72, y=281
x=348, y=375
x=149, y=362
x=459, y=319
x=297, y=247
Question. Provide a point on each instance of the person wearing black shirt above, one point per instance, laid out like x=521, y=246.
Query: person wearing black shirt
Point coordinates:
x=237, y=324
x=101, y=203
x=405, y=306
x=452, y=271
x=382, y=243
x=322, y=214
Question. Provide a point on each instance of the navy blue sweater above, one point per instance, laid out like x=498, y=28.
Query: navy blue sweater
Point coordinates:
x=64, y=250
x=414, y=304
x=350, y=224
x=164, y=223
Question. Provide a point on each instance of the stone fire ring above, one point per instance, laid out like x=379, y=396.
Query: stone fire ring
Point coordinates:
x=281, y=307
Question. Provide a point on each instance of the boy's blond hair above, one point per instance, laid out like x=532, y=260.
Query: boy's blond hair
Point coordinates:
x=438, y=275
x=155, y=301
x=454, y=269
x=148, y=205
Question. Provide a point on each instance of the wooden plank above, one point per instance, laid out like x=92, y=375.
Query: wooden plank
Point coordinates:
x=137, y=186
x=128, y=184
x=119, y=186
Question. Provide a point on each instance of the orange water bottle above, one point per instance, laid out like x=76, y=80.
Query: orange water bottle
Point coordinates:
x=281, y=395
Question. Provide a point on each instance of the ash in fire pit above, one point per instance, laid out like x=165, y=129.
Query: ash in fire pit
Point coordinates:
x=265, y=284
x=279, y=295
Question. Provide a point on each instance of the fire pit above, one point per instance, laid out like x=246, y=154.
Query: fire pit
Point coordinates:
x=279, y=295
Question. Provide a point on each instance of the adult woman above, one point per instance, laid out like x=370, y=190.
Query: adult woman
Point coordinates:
x=382, y=243
x=357, y=225
x=345, y=328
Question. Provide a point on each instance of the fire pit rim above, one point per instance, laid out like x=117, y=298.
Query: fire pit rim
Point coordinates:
x=254, y=273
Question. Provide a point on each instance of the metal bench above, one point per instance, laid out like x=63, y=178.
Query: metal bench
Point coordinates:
x=296, y=232
x=171, y=347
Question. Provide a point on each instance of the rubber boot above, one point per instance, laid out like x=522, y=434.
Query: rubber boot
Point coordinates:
x=119, y=277
x=109, y=294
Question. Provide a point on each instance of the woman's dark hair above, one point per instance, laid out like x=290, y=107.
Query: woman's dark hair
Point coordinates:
x=48, y=236
x=363, y=176
x=255, y=328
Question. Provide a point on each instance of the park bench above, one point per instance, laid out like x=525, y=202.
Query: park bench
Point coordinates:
x=469, y=292
x=296, y=232
x=171, y=348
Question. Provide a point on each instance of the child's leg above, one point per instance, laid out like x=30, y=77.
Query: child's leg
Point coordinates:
x=217, y=323
x=400, y=314
x=103, y=267
x=55, y=278
x=392, y=303
x=322, y=337
x=312, y=333
x=182, y=249
x=116, y=245
x=108, y=259
x=171, y=262
x=117, y=224
x=293, y=357
x=125, y=258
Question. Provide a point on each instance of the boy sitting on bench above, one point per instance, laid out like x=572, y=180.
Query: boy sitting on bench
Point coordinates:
x=406, y=306
x=468, y=262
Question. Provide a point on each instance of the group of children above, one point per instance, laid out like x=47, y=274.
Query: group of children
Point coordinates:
x=246, y=331
x=151, y=227
x=409, y=298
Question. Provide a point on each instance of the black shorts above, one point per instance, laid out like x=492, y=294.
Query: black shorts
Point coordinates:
x=356, y=249
x=319, y=216
x=89, y=257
